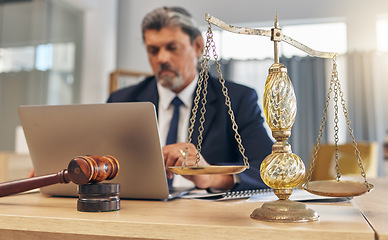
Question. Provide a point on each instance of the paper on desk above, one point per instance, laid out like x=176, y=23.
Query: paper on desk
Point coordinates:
x=203, y=194
x=297, y=195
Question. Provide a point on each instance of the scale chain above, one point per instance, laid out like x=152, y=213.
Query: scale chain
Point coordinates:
x=202, y=119
x=203, y=79
x=321, y=128
x=203, y=75
x=337, y=92
x=356, y=151
x=228, y=103
x=336, y=120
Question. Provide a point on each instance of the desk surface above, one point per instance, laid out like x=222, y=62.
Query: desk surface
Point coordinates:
x=374, y=207
x=57, y=218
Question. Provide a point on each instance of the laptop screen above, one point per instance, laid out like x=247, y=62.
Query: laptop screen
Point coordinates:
x=127, y=131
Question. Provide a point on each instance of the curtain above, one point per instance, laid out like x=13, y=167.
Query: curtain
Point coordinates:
x=367, y=105
x=308, y=77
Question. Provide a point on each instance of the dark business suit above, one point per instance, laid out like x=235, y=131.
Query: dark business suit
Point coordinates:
x=219, y=146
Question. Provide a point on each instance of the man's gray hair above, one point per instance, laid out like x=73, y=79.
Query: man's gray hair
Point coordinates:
x=171, y=17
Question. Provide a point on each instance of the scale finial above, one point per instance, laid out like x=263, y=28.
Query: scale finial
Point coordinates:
x=276, y=20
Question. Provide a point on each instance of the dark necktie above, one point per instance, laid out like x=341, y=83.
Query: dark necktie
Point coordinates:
x=173, y=131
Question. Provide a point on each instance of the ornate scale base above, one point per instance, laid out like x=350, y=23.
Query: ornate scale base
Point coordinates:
x=286, y=211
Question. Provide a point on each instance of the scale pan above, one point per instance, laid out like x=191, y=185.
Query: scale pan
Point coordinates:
x=197, y=170
x=334, y=188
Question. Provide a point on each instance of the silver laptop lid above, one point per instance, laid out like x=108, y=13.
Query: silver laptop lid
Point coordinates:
x=127, y=131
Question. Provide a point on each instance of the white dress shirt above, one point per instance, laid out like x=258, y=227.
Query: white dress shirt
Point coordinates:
x=165, y=112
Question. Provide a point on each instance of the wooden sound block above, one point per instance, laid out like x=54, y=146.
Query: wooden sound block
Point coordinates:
x=98, y=197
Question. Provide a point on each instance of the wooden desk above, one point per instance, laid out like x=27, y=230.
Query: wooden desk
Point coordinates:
x=40, y=218
x=375, y=208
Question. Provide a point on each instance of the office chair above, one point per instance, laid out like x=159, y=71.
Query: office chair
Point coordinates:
x=324, y=168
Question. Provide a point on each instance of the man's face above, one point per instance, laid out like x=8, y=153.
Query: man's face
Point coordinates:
x=173, y=58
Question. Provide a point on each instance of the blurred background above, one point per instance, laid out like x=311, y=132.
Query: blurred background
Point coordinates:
x=64, y=52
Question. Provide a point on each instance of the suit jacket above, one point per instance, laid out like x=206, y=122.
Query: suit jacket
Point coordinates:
x=219, y=146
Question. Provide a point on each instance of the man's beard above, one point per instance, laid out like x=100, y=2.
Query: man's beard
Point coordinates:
x=168, y=81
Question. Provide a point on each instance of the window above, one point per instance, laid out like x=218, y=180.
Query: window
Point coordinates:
x=38, y=65
x=17, y=59
x=382, y=34
x=58, y=57
x=325, y=37
x=44, y=57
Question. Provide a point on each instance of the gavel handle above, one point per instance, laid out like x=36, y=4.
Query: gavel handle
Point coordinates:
x=18, y=186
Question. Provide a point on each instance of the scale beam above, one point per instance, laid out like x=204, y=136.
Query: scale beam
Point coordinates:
x=241, y=30
x=267, y=33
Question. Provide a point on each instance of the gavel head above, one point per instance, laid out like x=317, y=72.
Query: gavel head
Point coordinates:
x=90, y=169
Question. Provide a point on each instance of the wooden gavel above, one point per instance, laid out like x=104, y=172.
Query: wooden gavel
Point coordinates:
x=81, y=170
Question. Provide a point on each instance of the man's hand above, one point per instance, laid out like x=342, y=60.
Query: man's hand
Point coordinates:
x=174, y=156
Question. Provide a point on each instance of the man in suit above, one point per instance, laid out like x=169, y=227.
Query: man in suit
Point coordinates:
x=174, y=45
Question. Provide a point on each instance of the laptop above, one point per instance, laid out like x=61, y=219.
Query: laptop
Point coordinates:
x=127, y=131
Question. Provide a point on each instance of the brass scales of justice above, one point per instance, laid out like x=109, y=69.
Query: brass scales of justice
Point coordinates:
x=282, y=170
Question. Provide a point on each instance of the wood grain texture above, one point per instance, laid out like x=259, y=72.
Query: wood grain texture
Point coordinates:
x=45, y=217
x=374, y=207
